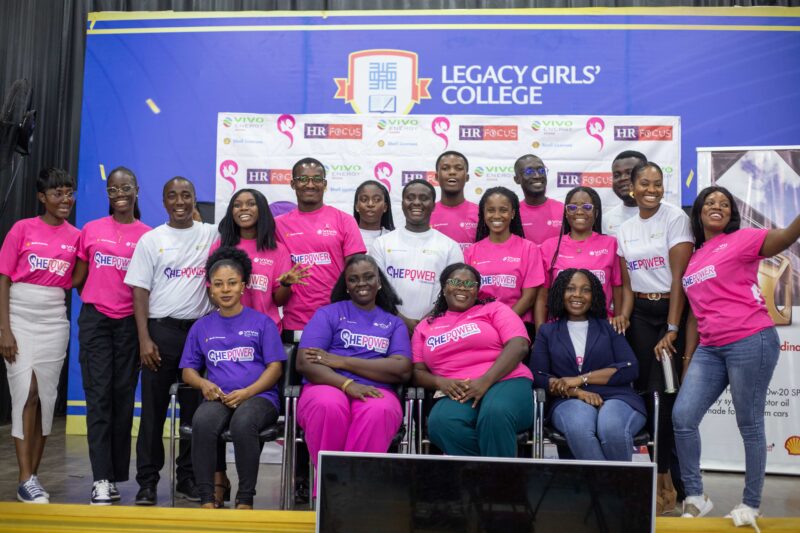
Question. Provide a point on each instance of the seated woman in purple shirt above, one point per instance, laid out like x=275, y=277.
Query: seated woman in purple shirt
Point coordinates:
x=351, y=353
x=241, y=351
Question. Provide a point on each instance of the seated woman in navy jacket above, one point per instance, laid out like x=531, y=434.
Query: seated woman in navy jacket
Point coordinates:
x=588, y=370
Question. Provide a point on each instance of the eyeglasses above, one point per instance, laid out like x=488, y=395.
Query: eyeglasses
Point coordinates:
x=113, y=191
x=574, y=207
x=535, y=171
x=58, y=195
x=305, y=179
x=462, y=283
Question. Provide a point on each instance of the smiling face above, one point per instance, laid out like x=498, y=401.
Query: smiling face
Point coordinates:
x=578, y=297
x=458, y=296
x=309, y=185
x=716, y=213
x=581, y=219
x=648, y=189
x=122, y=191
x=418, y=205
x=370, y=205
x=498, y=214
x=452, y=174
x=363, y=283
x=57, y=202
x=621, y=177
x=226, y=288
x=531, y=175
x=245, y=211
x=179, y=203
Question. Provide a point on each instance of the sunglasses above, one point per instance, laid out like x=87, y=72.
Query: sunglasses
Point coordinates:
x=574, y=207
x=305, y=179
x=537, y=171
x=113, y=191
x=462, y=283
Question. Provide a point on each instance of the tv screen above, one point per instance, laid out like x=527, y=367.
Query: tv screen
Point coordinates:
x=399, y=493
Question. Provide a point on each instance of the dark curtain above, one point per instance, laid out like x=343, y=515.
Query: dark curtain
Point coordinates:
x=43, y=41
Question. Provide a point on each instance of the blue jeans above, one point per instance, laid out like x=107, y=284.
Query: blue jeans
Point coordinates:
x=598, y=434
x=747, y=365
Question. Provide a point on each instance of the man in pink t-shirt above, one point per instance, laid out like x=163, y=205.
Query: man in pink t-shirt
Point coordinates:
x=541, y=216
x=454, y=215
x=315, y=234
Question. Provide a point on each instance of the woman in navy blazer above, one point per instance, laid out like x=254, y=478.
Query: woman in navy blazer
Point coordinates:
x=588, y=370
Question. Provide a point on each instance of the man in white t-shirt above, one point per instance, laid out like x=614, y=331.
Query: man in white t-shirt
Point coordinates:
x=621, y=183
x=167, y=274
x=413, y=257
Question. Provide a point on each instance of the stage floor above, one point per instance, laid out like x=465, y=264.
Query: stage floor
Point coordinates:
x=66, y=474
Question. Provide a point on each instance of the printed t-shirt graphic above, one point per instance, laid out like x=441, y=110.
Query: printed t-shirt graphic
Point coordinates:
x=171, y=264
x=107, y=247
x=342, y=328
x=40, y=254
x=322, y=238
x=459, y=223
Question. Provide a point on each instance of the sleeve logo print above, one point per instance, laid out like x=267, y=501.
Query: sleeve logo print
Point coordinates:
x=454, y=335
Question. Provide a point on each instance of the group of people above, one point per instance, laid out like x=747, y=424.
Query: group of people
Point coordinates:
x=476, y=302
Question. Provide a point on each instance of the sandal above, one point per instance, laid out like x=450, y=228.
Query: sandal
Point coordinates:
x=222, y=496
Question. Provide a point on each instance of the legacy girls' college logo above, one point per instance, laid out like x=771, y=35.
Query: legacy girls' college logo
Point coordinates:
x=382, y=81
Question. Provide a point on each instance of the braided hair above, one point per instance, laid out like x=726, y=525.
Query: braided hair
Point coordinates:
x=555, y=297
x=440, y=306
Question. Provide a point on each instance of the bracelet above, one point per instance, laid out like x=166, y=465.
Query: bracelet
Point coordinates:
x=284, y=284
x=346, y=384
x=585, y=379
x=686, y=358
x=672, y=328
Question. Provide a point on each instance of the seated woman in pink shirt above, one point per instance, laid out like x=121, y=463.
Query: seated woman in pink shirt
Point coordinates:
x=738, y=345
x=510, y=265
x=470, y=352
x=582, y=244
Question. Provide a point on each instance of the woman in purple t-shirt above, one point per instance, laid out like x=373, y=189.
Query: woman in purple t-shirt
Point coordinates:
x=738, y=342
x=241, y=351
x=351, y=353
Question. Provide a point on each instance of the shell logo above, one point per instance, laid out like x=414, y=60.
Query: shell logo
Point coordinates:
x=792, y=445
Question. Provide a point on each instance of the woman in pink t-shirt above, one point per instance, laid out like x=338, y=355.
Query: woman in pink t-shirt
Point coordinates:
x=37, y=260
x=738, y=344
x=109, y=342
x=581, y=244
x=510, y=265
x=372, y=209
x=248, y=224
x=470, y=351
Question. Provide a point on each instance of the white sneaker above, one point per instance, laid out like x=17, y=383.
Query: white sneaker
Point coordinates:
x=744, y=515
x=101, y=492
x=696, y=506
x=114, y=492
x=35, y=478
x=30, y=492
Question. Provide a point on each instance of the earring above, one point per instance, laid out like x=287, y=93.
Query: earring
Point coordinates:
x=631, y=194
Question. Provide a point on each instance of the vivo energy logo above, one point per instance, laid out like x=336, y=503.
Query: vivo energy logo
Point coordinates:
x=595, y=126
x=642, y=133
x=440, y=126
x=382, y=81
x=285, y=126
x=245, y=122
x=228, y=170
x=382, y=172
x=397, y=125
x=494, y=172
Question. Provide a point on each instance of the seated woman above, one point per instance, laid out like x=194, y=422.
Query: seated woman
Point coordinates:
x=351, y=353
x=242, y=352
x=470, y=351
x=589, y=369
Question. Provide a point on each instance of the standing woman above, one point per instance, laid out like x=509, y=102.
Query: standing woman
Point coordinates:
x=739, y=345
x=372, y=209
x=248, y=225
x=510, y=265
x=109, y=344
x=36, y=264
x=654, y=248
x=581, y=244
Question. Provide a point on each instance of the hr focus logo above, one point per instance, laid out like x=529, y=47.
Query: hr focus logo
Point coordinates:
x=285, y=126
x=584, y=179
x=487, y=133
x=333, y=131
x=269, y=176
x=382, y=81
x=642, y=133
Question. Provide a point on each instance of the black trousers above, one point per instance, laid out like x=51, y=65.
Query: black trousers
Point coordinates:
x=169, y=336
x=246, y=421
x=648, y=326
x=109, y=358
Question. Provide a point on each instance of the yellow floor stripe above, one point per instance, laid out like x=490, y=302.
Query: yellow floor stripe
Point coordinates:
x=454, y=26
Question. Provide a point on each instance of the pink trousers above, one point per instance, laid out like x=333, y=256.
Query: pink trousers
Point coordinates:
x=336, y=422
